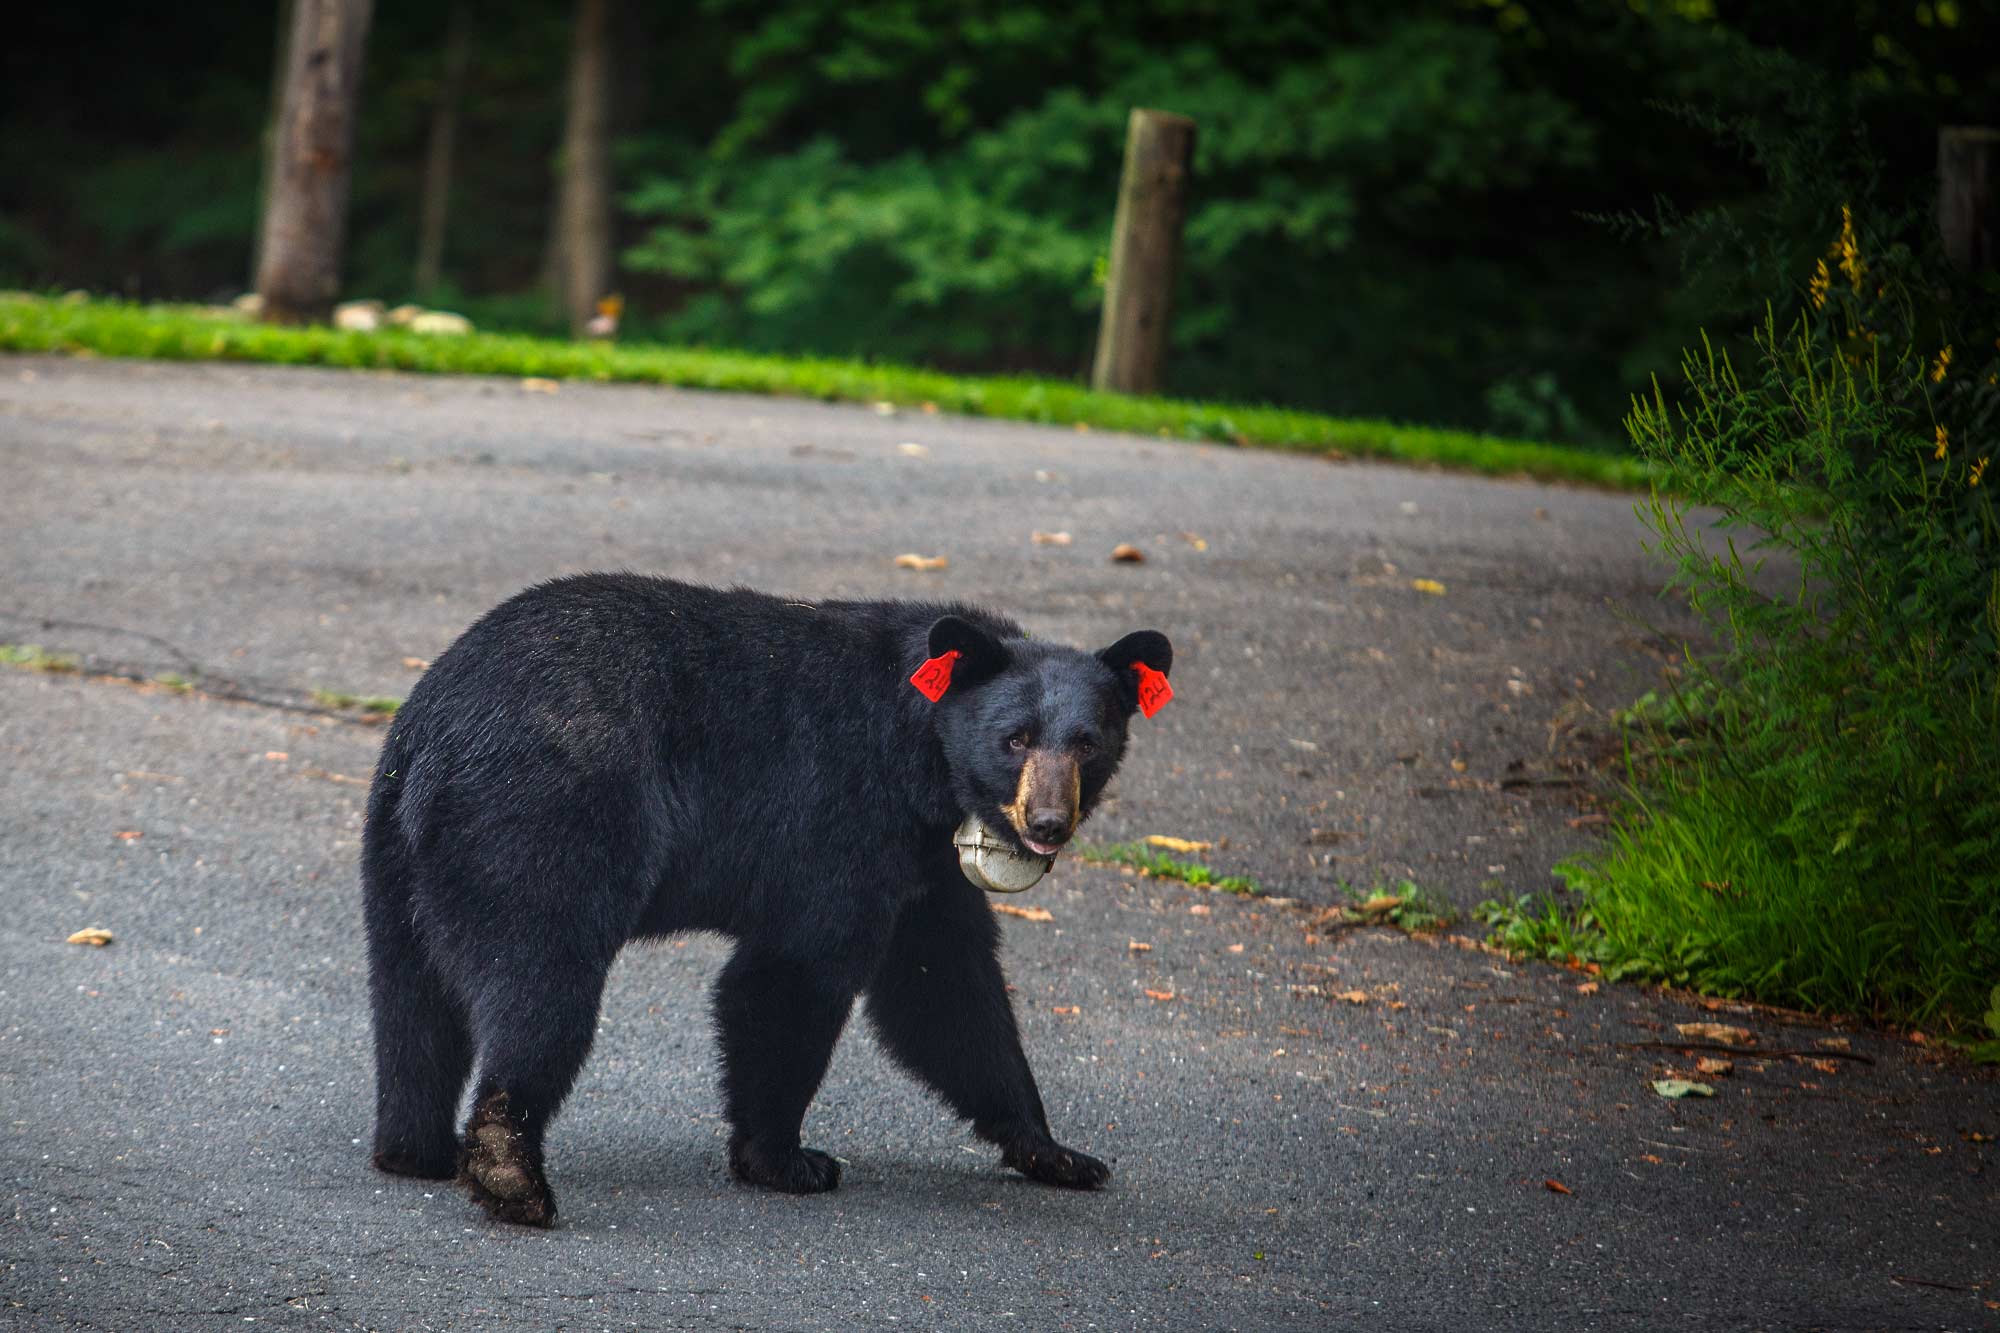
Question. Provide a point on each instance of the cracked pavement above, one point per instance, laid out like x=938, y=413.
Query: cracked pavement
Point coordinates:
x=184, y=1110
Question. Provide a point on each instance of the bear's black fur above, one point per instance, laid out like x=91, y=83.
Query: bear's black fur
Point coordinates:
x=612, y=757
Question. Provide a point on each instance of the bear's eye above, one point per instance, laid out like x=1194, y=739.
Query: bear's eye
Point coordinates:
x=1018, y=742
x=1086, y=748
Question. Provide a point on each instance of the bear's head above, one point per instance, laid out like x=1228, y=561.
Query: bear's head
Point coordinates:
x=1033, y=731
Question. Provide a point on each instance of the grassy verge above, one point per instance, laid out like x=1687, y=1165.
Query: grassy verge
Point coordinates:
x=1146, y=861
x=379, y=705
x=109, y=328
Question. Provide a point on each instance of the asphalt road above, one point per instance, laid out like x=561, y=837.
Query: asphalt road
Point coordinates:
x=184, y=1111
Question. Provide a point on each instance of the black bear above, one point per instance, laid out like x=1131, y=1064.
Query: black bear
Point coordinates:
x=612, y=757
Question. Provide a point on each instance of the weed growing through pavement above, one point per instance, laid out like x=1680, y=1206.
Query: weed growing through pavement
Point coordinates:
x=1146, y=861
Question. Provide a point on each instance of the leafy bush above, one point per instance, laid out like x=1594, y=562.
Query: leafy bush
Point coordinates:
x=1816, y=820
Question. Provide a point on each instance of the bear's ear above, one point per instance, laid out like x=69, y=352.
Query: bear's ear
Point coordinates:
x=979, y=656
x=1140, y=661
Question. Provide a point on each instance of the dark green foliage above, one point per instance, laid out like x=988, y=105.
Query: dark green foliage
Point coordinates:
x=1817, y=816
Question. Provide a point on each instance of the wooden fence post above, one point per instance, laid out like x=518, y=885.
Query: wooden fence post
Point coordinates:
x=1966, y=186
x=1145, y=253
x=305, y=215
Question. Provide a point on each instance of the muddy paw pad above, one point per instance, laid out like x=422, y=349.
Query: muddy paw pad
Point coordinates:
x=499, y=1173
x=793, y=1170
x=1052, y=1164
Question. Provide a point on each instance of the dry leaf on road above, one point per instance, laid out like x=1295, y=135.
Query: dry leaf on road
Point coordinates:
x=911, y=449
x=1714, y=1065
x=922, y=563
x=1192, y=540
x=1160, y=995
x=1025, y=913
x=1125, y=553
x=1555, y=1187
x=1353, y=996
x=128, y=835
x=1677, y=1088
x=1137, y=947
x=1722, y=1032
x=95, y=937
x=1178, y=844
x=416, y=664
x=1431, y=586
x=1050, y=538
x=535, y=384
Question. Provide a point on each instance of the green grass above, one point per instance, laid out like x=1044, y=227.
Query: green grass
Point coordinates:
x=1405, y=904
x=33, y=657
x=380, y=705
x=111, y=328
x=1147, y=861
x=1692, y=889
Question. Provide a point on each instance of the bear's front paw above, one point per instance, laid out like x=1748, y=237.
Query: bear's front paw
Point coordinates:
x=1053, y=1164
x=793, y=1169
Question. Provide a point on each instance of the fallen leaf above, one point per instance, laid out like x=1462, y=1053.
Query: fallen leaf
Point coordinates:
x=1680, y=1087
x=276, y=756
x=1071, y=1010
x=922, y=563
x=1236, y=948
x=929, y=409
x=1825, y=1066
x=1650, y=1157
x=1431, y=586
x=1381, y=903
x=1136, y=947
x=1555, y=1187
x=1352, y=996
x=95, y=937
x=911, y=449
x=1025, y=913
x=1722, y=1032
x=885, y=409
x=416, y=664
x=129, y=835
x=1587, y=988
x=1049, y=538
x=1974, y=1136
x=1834, y=1044
x=1199, y=909
x=1161, y=995
x=1194, y=541
x=1712, y=1065
x=1178, y=844
x=1125, y=553
x=535, y=384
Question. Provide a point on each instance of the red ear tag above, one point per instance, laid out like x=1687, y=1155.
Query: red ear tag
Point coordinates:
x=933, y=678
x=1153, y=689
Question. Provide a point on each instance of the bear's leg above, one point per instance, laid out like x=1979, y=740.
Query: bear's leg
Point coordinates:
x=939, y=1003
x=534, y=1032
x=778, y=1020
x=423, y=1049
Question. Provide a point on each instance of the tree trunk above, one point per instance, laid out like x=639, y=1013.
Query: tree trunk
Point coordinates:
x=267, y=168
x=584, y=209
x=437, y=160
x=1968, y=180
x=305, y=218
x=1145, y=253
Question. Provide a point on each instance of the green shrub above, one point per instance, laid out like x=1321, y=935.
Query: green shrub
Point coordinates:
x=1815, y=817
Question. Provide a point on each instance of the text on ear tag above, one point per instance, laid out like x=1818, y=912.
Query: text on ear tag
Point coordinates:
x=933, y=678
x=1153, y=689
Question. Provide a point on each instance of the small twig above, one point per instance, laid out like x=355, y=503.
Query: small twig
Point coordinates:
x=1769, y=1051
x=1925, y=1282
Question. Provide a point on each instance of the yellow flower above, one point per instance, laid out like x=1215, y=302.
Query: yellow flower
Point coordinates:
x=1943, y=364
x=1817, y=285
x=1978, y=471
x=1848, y=248
x=1943, y=442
